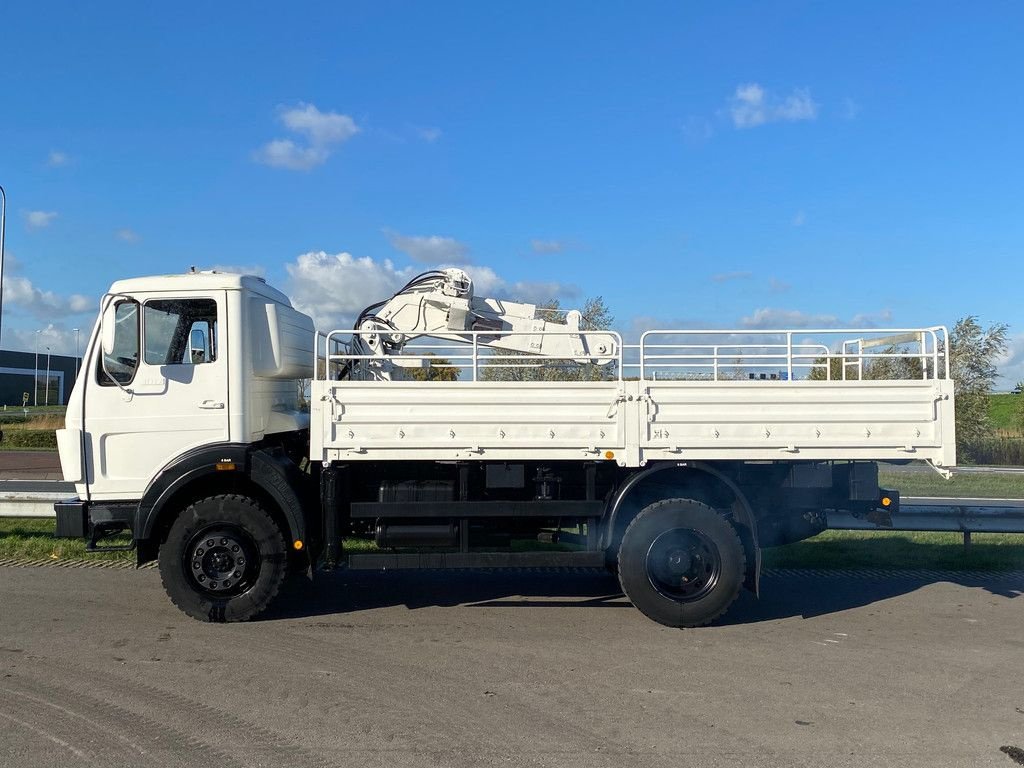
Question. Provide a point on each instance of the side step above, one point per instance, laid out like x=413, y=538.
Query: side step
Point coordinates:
x=438, y=560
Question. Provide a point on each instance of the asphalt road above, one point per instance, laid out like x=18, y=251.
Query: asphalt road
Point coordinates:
x=554, y=669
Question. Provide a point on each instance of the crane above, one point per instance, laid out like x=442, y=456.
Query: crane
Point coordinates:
x=441, y=304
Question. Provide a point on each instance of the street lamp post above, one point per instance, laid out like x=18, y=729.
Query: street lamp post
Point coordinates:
x=35, y=374
x=47, y=376
x=3, y=226
x=76, y=352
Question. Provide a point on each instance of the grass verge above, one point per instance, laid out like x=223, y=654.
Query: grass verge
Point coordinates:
x=32, y=539
x=986, y=485
x=902, y=550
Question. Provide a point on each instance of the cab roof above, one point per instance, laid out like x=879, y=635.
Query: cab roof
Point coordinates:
x=210, y=280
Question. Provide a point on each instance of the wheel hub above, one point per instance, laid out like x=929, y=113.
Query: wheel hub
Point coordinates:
x=683, y=564
x=218, y=561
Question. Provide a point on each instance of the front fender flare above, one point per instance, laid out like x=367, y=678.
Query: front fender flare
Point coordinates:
x=268, y=469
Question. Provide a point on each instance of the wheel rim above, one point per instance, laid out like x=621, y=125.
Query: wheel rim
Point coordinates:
x=683, y=565
x=222, y=560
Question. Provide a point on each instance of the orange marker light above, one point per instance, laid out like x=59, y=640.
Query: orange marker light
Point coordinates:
x=298, y=544
x=609, y=454
x=886, y=501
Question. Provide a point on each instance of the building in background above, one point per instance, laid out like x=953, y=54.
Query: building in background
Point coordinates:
x=20, y=371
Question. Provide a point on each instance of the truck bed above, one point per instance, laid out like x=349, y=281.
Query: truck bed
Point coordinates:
x=635, y=420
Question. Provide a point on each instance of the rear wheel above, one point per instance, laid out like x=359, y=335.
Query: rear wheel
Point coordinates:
x=681, y=563
x=224, y=559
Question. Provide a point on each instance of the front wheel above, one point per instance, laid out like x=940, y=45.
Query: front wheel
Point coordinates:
x=224, y=559
x=681, y=563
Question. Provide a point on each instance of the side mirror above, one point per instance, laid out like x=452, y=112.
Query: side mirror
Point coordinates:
x=108, y=328
x=197, y=346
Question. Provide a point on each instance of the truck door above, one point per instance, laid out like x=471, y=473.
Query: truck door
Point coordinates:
x=162, y=391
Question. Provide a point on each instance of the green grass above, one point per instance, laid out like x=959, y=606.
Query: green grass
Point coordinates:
x=903, y=550
x=32, y=538
x=1004, y=411
x=988, y=485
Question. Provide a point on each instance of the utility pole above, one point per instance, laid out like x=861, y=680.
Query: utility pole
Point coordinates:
x=35, y=374
x=76, y=353
x=3, y=226
x=47, y=376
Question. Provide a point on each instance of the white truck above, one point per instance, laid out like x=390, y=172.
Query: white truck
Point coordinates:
x=447, y=428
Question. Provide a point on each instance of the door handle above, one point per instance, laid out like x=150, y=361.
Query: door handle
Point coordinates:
x=211, y=404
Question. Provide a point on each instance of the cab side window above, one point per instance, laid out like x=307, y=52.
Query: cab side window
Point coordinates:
x=124, y=361
x=180, y=331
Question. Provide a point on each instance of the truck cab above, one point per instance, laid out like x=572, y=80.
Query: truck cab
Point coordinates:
x=180, y=364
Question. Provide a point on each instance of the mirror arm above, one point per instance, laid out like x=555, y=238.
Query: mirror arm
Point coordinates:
x=108, y=299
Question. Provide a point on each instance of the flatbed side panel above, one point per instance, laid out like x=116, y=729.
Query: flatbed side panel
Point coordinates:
x=431, y=421
x=758, y=420
x=635, y=422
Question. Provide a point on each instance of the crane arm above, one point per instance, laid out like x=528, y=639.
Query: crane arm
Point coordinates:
x=442, y=305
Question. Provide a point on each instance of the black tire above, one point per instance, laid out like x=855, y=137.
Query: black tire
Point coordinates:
x=681, y=563
x=224, y=559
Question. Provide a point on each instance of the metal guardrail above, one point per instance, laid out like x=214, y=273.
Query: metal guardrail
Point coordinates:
x=924, y=513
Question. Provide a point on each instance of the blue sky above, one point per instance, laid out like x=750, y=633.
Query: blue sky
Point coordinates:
x=735, y=165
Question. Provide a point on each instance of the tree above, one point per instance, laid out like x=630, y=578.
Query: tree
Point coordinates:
x=973, y=352
x=437, y=369
x=595, y=317
x=834, y=372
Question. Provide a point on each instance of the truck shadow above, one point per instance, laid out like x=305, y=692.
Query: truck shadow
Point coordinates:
x=786, y=593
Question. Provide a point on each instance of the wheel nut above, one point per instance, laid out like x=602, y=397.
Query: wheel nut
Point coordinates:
x=234, y=548
x=226, y=583
x=197, y=565
x=223, y=542
x=202, y=577
x=241, y=561
x=213, y=584
x=209, y=542
x=199, y=552
x=236, y=574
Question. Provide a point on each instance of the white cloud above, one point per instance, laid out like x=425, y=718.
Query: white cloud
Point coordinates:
x=772, y=317
x=548, y=246
x=39, y=219
x=285, y=153
x=127, y=235
x=20, y=292
x=486, y=282
x=799, y=219
x=727, y=277
x=60, y=339
x=321, y=128
x=751, y=105
x=1011, y=366
x=56, y=159
x=321, y=132
x=334, y=288
x=429, y=134
x=430, y=249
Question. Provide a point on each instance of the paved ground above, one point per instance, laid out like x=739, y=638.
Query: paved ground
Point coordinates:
x=402, y=669
x=30, y=465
